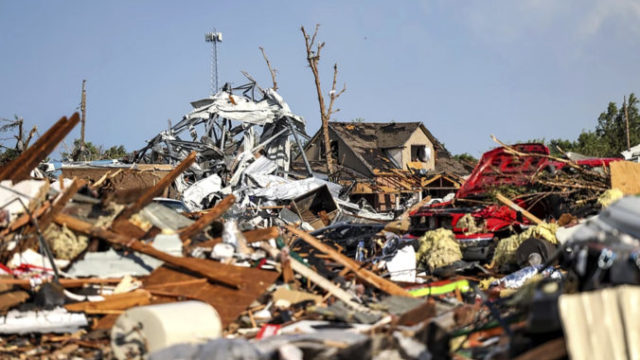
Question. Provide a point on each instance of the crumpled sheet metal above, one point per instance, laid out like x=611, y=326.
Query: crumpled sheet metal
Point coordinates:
x=110, y=263
x=288, y=189
x=216, y=116
x=201, y=189
x=243, y=109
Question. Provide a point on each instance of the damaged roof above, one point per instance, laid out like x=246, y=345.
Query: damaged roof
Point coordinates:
x=371, y=140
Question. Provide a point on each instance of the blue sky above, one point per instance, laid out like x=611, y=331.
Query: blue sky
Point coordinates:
x=467, y=69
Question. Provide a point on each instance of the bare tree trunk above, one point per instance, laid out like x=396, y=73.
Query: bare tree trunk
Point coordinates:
x=313, y=56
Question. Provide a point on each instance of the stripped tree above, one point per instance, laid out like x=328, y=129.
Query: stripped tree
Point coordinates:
x=313, y=57
x=272, y=71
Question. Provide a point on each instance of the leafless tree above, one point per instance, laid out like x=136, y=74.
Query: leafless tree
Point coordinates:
x=272, y=71
x=313, y=57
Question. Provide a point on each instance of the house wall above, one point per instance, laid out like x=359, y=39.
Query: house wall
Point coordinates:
x=346, y=157
x=313, y=150
x=418, y=138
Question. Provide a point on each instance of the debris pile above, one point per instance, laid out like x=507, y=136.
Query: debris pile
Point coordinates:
x=221, y=249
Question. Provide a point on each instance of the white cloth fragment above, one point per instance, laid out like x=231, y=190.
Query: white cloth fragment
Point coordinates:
x=25, y=191
x=402, y=266
x=58, y=320
x=30, y=257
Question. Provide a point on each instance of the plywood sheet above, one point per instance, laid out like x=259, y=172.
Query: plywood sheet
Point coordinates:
x=625, y=175
x=228, y=302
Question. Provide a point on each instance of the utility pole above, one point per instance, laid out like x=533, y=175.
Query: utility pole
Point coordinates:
x=83, y=110
x=214, y=38
x=626, y=120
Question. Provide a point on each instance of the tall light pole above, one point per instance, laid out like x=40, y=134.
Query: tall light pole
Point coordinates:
x=214, y=38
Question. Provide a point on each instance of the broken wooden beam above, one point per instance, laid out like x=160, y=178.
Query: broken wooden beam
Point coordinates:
x=60, y=202
x=28, y=160
x=515, y=207
x=206, y=219
x=10, y=168
x=366, y=275
x=122, y=301
x=25, y=219
x=252, y=236
x=208, y=272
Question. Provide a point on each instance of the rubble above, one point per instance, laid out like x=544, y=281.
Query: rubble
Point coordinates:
x=226, y=246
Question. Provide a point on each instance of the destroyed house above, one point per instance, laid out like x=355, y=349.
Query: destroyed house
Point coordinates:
x=383, y=161
x=369, y=148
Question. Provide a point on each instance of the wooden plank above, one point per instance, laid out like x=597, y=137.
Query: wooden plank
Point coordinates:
x=206, y=219
x=38, y=154
x=123, y=301
x=327, y=285
x=534, y=219
x=210, y=269
x=158, y=188
x=625, y=175
x=366, y=275
x=11, y=167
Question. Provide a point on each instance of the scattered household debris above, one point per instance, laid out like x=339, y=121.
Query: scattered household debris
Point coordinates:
x=215, y=242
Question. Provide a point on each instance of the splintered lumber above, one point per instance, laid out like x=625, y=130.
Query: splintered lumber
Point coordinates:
x=11, y=167
x=206, y=219
x=25, y=219
x=60, y=202
x=366, y=275
x=112, y=302
x=625, y=176
x=158, y=188
x=327, y=285
x=20, y=168
x=534, y=219
x=252, y=236
x=207, y=270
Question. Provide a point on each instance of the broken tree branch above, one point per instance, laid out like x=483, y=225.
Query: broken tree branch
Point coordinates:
x=332, y=94
x=272, y=71
x=570, y=163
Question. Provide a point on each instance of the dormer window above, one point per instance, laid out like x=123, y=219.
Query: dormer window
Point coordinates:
x=420, y=153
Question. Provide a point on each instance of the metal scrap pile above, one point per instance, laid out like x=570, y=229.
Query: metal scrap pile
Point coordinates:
x=250, y=260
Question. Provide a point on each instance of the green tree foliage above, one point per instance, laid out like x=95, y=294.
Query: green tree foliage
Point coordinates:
x=466, y=157
x=609, y=138
x=92, y=152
